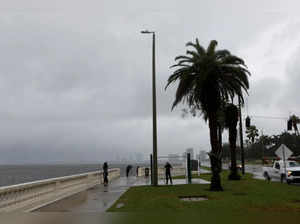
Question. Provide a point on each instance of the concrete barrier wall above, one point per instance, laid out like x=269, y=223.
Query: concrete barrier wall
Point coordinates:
x=31, y=196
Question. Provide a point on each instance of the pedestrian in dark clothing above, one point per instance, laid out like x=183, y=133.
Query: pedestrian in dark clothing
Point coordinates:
x=137, y=171
x=128, y=168
x=168, y=168
x=105, y=174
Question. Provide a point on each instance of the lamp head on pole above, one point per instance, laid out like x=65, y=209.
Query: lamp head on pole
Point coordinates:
x=147, y=32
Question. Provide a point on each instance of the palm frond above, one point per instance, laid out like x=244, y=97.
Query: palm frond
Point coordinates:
x=208, y=77
x=184, y=87
x=180, y=57
x=211, y=47
x=222, y=54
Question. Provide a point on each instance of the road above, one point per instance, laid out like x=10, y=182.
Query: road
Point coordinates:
x=256, y=170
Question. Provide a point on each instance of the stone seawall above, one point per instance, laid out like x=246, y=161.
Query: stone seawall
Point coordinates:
x=31, y=196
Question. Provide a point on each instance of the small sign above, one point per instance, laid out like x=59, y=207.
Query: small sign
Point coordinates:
x=283, y=152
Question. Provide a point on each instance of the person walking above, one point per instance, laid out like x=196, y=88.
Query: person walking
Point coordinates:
x=128, y=168
x=168, y=168
x=137, y=171
x=105, y=174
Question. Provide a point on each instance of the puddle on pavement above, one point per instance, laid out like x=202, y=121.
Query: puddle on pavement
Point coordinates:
x=193, y=198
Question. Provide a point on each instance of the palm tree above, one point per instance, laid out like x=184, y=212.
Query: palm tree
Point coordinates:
x=221, y=123
x=208, y=77
x=231, y=121
x=295, y=120
x=252, y=133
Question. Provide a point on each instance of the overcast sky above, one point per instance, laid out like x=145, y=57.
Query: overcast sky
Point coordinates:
x=75, y=76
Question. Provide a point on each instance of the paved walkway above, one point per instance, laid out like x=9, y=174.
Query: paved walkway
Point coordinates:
x=100, y=198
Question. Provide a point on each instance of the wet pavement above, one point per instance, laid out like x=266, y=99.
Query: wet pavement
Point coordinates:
x=100, y=198
x=257, y=172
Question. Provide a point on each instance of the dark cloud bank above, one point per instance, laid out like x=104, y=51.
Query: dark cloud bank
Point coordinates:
x=75, y=79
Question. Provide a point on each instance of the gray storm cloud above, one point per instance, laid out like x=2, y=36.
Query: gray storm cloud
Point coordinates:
x=75, y=77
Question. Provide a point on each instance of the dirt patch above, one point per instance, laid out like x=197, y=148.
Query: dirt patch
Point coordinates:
x=193, y=198
x=120, y=205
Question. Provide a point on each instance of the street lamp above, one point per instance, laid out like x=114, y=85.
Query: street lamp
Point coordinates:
x=155, y=179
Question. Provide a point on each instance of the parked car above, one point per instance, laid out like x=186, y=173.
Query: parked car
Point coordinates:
x=290, y=174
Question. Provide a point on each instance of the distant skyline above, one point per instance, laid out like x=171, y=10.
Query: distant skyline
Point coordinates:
x=75, y=76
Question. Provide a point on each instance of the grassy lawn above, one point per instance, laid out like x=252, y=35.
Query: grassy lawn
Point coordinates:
x=204, y=176
x=248, y=196
x=205, y=168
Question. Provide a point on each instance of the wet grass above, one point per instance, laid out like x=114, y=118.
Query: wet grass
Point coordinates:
x=205, y=168
x=247, y=196
x=204, y=176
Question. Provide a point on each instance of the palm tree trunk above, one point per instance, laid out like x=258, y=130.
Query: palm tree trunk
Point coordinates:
x=215, y=154
x=220, y=136
x=232, y=141
x=220, y=140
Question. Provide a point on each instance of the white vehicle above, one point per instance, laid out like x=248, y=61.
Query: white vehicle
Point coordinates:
x=288, y=174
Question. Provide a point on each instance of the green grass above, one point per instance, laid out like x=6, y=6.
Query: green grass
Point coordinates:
x=247, y=196
x=194, y=175
x=205, y=168
x=204, y=176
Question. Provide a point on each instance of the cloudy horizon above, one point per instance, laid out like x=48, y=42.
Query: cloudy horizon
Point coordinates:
x=75, y=77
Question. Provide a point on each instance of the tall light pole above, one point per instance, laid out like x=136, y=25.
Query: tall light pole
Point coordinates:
x=155, y=179
x=263, y=146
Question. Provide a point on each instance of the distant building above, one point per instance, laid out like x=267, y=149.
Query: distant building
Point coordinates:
x=183, y=158
x=173, y=158
x=117, y=158
x=191, y=152
x=203, y=155
x=139, y=157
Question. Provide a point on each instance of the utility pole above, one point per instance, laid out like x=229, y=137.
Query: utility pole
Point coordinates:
x=263, y=147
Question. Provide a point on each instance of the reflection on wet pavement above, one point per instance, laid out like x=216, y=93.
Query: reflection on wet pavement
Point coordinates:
x=100, y=198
